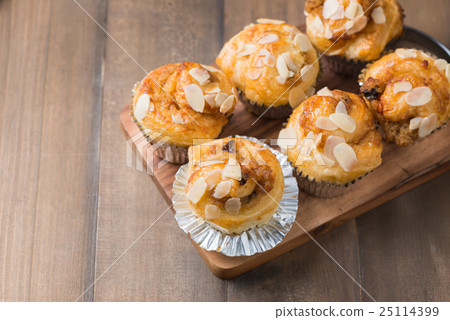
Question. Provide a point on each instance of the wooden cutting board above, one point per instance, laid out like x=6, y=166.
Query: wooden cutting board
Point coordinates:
x=403, y=169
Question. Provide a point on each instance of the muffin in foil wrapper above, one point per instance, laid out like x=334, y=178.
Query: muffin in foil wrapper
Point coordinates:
x=249, y=242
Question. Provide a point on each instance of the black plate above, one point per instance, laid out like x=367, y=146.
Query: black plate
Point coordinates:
x=417, y=39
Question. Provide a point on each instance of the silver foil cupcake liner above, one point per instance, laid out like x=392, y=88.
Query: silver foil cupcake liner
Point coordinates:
x=250, y=242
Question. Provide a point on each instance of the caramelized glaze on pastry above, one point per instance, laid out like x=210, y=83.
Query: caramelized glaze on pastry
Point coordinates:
x=354, y=29
x=234, y=184
x=181, y=102
x=266, y=58
x=408, y=91
x=331, y=137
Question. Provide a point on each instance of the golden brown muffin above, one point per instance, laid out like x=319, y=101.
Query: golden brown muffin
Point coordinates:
x=331, y=137
x=265, y=59
x=178, y=103
x=356, y=29
x=234, y=184
x=408, y=92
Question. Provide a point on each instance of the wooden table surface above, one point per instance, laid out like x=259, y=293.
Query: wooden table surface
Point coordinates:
x=70, y=206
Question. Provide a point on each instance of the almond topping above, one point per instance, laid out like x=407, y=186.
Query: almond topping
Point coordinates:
x=310, y=91
x=328, y=34
x=330, y=7
x=255, y=74
x=403, y=86
x=325, y=123
x=269, y=60
x=378, y=15
x=270, y=21
x=222, y=189
x=332, y=141
x=213, y=90
x=194, y=97
x=325, y=92
x=447, y=72
x=209, y=68
x=406, y=53
x=282, y=67
x=302, y=42
x=246, y=50
x=220, y=98
x=201, y=75
x=290, y=63
x=353, y=10
x=356, y=25
x=281, y=80
x=415, y=123
x=296, y=96
x=232, y=171
x=208, y=163
x=441, y=64
x=418, y=96
x=209, y=98
x=341, y=108
x=141, y=107
x=340, y=13
x=328, y=161
x=233, y=205
x=344, y=122
x=287, y=138
x=227, y=104
x=317, y=24
x=213, y=178
x=345, y=156
x=258, y=63
x=427, y=125
x=307, y=73
x=178, y=119
x=271, y=37
x=212, y=211
x=197, y=190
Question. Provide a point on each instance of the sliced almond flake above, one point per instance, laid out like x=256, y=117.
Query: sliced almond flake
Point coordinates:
x=356, y=25
x=325, y=123
x=227, y=104
x=258, y=63
x=269, y=38
x=317, y=24
x=220, y=98
x=328, y=34
x=378, y=15
x=236, y=77
x=213, y=90
x=341, y=108
x=249, y=25
x=332, y=141
x=222, y=189
x=345, y=156
x=328, y=161
x=282, y=67
x=287, y=138
x=427, y=125
x=210, y=69
x=178, y=119
x=441, y=64
x=310, y=91
x=296, y=96
x=209, y=163
x=197, y=190
x=302, y=42
x=415, y=123
x=263, y=52
x=232, y=170
x=390, y=63
x=325, y=92
x=353, y=10
x=213, y=177
x=330, y=7
x=406, y=53
x=289, y=62
x=447, y=72
x=141, y=107
x=254, y=74
x=290, y=74
x=233, y=205
x=403, y=86
x=418, y=96
x=289, y=29
x=305, y=13
x=210, y=100
x=281, y=80
x=194, y=97
x=310, y=135
x=270, y=21
x=246, y=50
x=344, y=122
x=200, y=74
x=269, y=60
x=307, y=73
x=340, y=13
x=212, y=211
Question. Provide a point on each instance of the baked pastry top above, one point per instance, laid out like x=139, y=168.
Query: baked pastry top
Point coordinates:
x=408, y=92
x=234, y=184
x=354, y=29
x=331, y=137
x=181, y=102
x=265, y=59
